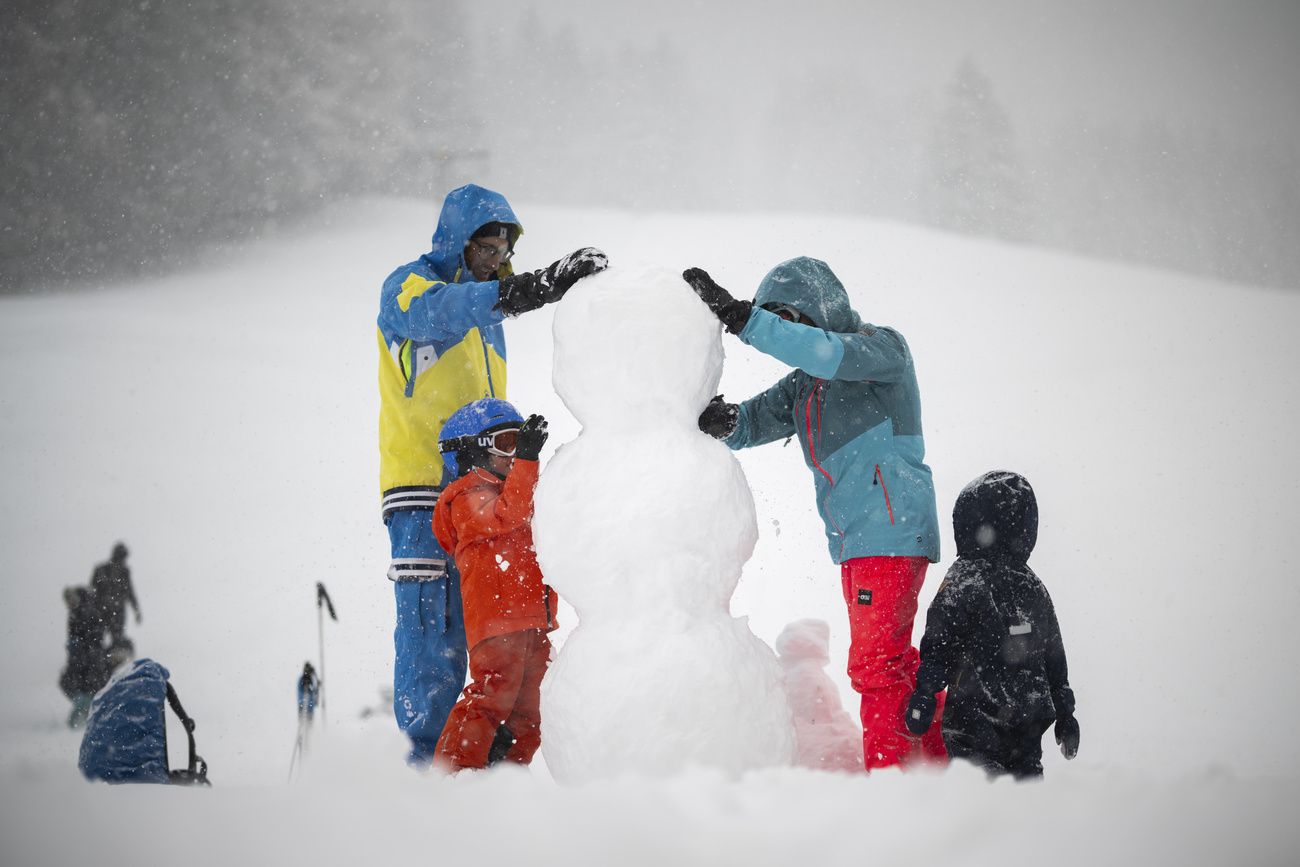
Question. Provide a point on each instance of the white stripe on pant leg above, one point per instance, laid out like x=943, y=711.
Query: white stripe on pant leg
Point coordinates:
x=409, y=498
x=405, y=569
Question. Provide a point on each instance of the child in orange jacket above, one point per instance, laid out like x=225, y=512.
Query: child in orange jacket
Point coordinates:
x=484, y=519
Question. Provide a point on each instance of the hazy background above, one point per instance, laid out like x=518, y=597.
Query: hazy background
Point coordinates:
x=133, y=135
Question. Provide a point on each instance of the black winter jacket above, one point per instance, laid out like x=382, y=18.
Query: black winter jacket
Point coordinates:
x=991, y=635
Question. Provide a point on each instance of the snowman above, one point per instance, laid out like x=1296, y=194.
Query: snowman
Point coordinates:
x=643, y=523
x=830, y=739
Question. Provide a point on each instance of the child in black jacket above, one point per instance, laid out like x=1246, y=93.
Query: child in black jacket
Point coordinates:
x=992, y=639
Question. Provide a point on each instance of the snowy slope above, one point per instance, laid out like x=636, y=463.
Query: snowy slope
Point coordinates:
x=222, y=423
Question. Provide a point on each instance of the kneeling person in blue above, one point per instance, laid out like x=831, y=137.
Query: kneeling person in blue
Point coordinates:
x=441, y=346
x=992, y=639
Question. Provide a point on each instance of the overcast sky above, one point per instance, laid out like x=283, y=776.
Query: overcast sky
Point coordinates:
x=1231, y=63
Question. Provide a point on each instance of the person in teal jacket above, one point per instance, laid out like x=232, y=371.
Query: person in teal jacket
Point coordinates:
x=853, y=402
x=441, y=346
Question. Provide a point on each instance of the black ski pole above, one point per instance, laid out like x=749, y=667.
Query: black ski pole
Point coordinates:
x=322, y=597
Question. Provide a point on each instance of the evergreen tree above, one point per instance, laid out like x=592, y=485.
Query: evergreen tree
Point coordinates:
x=129, y=133
x=973, y=181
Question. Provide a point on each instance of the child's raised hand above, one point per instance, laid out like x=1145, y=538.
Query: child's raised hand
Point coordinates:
x=532, y=436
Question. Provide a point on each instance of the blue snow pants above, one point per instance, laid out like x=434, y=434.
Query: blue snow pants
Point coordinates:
x=431, y=659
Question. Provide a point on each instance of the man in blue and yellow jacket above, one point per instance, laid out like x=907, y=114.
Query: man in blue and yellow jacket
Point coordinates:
x=853, y=403
x=441, y=346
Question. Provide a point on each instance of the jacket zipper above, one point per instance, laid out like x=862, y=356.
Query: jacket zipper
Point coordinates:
x=812, y=453
x=880, y=478
x=487, y=364
x=407, y=366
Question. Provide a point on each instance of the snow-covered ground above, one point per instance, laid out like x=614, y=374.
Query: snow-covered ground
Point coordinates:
x=222, y=423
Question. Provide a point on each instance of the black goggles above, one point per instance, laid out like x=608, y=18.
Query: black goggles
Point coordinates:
x=785, y=311
x=501, y=442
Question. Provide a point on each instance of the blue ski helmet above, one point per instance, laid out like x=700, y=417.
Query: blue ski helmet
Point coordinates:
x=460, y=433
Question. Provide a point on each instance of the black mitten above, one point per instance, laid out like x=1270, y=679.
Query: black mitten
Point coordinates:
x=1067, y=735
x=532, y=436
x=733, y=314
x=920, y=712
x=573, y=267
x=520, y=293
x=719, y=418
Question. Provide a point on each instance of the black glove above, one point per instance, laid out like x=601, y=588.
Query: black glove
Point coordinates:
x=520, y=293
x=734, y=314
x=719, y=418
x=532, y=436
x=920, y=713
x=1067, y=735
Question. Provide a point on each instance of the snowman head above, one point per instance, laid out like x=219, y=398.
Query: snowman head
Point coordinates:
x=635, y=349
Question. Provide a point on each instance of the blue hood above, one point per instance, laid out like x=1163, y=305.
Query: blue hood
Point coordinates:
x=464, y=210
x=809, y=286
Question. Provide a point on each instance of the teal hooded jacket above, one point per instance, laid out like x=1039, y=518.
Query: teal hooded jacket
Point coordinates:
x=853, y=402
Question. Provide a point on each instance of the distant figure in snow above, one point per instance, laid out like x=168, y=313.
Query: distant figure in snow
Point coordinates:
x=992, y=639
x=308, y=690
x=441, y=345
x=829, y=738
x=854, y=404
x=308, y=694
x=88, y=667
x=485, y=518
x=111, y=584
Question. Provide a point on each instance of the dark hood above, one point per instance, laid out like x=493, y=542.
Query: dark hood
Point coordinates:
x=809, y=286
x=996, y=517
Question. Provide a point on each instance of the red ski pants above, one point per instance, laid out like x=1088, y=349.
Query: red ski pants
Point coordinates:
x=881, y=595
x=505, y=689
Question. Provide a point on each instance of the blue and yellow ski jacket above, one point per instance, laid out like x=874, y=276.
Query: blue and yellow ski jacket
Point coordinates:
x=441, y=346
x=854, y=404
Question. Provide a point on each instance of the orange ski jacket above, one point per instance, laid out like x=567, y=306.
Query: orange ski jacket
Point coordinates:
x=486, y=524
